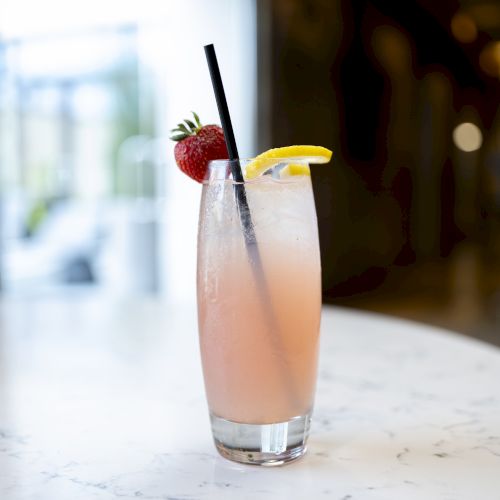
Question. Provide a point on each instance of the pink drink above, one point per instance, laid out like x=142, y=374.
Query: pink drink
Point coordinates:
x=259, y=337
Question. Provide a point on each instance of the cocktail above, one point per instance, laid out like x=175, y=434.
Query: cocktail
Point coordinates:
x=259, y=308
x=258, y=287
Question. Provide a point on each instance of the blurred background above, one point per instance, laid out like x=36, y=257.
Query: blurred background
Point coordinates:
x=407, y=95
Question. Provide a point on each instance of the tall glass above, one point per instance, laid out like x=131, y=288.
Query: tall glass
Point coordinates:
x=259, y=304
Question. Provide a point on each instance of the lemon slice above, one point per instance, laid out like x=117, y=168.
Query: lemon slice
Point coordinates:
x=305, y=154
x=295, y=169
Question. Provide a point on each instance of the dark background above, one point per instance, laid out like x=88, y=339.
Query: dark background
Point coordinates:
x=409, y=222
x=406, y=94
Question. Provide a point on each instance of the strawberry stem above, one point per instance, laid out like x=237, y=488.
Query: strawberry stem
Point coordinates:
x=181, y=127
x=181, y=131
x=196, y=119
x=191, y=125
x=179, y=137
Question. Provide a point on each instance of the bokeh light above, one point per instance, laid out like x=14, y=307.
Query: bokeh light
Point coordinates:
x=489, y=59
x=467, y=137
x=463, y=27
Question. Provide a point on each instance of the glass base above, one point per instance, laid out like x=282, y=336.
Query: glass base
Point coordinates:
x=261, y=444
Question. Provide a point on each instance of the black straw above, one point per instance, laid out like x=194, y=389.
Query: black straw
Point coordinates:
x=220, y=97
x=245, y=216
x=227, y=127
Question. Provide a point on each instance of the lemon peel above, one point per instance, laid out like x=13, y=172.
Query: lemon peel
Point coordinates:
x=303, y=154
x=295, y=169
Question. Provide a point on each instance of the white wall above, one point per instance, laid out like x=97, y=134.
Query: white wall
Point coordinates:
x=172, y=34
x=172, y=46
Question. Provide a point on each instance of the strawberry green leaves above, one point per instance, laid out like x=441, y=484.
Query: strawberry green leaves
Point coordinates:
x=186, y=129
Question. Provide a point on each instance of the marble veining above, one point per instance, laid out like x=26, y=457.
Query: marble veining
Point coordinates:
x=102, y=401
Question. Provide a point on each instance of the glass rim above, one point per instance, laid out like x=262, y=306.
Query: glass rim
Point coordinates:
x=217, y=170
x=221, y=163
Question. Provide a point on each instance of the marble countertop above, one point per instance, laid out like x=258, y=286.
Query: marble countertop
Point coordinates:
x=104, y=400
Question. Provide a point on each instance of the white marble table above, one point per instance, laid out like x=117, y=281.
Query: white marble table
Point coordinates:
x=103, y=400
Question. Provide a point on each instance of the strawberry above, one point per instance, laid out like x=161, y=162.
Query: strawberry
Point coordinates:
x=198, y=144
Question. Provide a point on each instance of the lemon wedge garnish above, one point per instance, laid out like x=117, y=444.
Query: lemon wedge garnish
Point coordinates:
x=305, y=154
x=295, y=169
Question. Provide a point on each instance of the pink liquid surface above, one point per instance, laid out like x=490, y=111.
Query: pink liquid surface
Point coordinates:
x=259, y=350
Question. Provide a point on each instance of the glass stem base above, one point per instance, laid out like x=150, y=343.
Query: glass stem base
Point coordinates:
x=261, y=444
